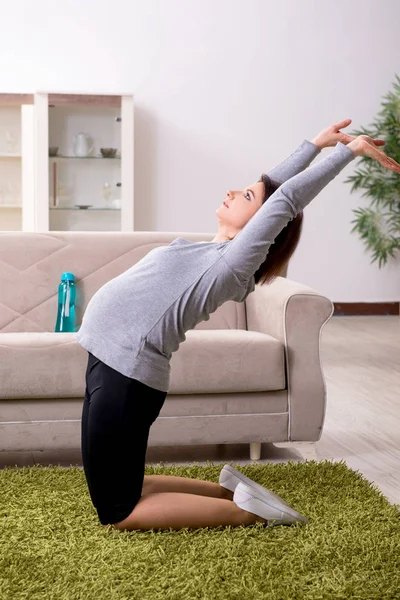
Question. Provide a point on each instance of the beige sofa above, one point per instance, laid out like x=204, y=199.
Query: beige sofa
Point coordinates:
x=250, y=374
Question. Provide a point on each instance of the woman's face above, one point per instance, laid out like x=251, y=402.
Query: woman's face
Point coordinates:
x=238, y=208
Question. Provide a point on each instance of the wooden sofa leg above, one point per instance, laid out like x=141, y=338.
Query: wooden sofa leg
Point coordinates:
x=255, y=450
x=307, y=450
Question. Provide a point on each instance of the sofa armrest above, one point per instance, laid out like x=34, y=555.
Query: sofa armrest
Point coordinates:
x=295, y=314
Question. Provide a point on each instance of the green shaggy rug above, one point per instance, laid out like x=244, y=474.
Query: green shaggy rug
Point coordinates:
x=52, y=545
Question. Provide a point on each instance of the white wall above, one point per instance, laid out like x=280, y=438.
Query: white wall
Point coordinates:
x=224, y=90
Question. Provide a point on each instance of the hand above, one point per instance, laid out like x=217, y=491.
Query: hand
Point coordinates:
x=332, y=135
x=364, y=145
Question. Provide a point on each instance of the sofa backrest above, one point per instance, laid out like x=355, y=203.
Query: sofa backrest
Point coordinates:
x=31, y=265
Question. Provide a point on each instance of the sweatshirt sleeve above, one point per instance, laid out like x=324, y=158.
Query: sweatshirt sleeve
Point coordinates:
x=301, y=158
x=248, y=249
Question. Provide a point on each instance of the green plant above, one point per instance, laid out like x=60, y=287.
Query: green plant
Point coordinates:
x=380, y=228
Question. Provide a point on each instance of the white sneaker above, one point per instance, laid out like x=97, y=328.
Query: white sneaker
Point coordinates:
x=230, y=477
x=272, y=510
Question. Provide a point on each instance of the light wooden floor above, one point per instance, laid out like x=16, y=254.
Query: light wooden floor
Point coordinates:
x=361, y=363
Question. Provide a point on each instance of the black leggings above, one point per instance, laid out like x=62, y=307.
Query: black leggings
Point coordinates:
x=118, y=412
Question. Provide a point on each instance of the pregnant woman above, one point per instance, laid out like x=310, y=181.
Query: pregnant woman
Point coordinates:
x=134, y=323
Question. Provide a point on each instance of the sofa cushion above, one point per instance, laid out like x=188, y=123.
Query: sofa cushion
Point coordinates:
x=53, y=364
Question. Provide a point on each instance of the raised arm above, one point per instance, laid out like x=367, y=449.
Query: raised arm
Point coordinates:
x=299, y=160
x=249, y=248
x=307, y=151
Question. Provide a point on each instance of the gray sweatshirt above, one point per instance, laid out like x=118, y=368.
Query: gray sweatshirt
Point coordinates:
x=137, y=320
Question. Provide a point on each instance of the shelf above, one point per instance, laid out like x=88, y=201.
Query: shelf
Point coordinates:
x=59, y=207
x=80, y=209
x=87, y=157
x=35, y=183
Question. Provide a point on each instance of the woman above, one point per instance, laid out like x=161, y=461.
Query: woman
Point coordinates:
x=134, y=322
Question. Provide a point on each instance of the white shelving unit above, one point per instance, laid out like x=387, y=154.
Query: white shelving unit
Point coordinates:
x=52, y=186
x=16, y=159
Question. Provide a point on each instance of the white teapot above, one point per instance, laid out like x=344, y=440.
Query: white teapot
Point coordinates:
x=81, y=143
